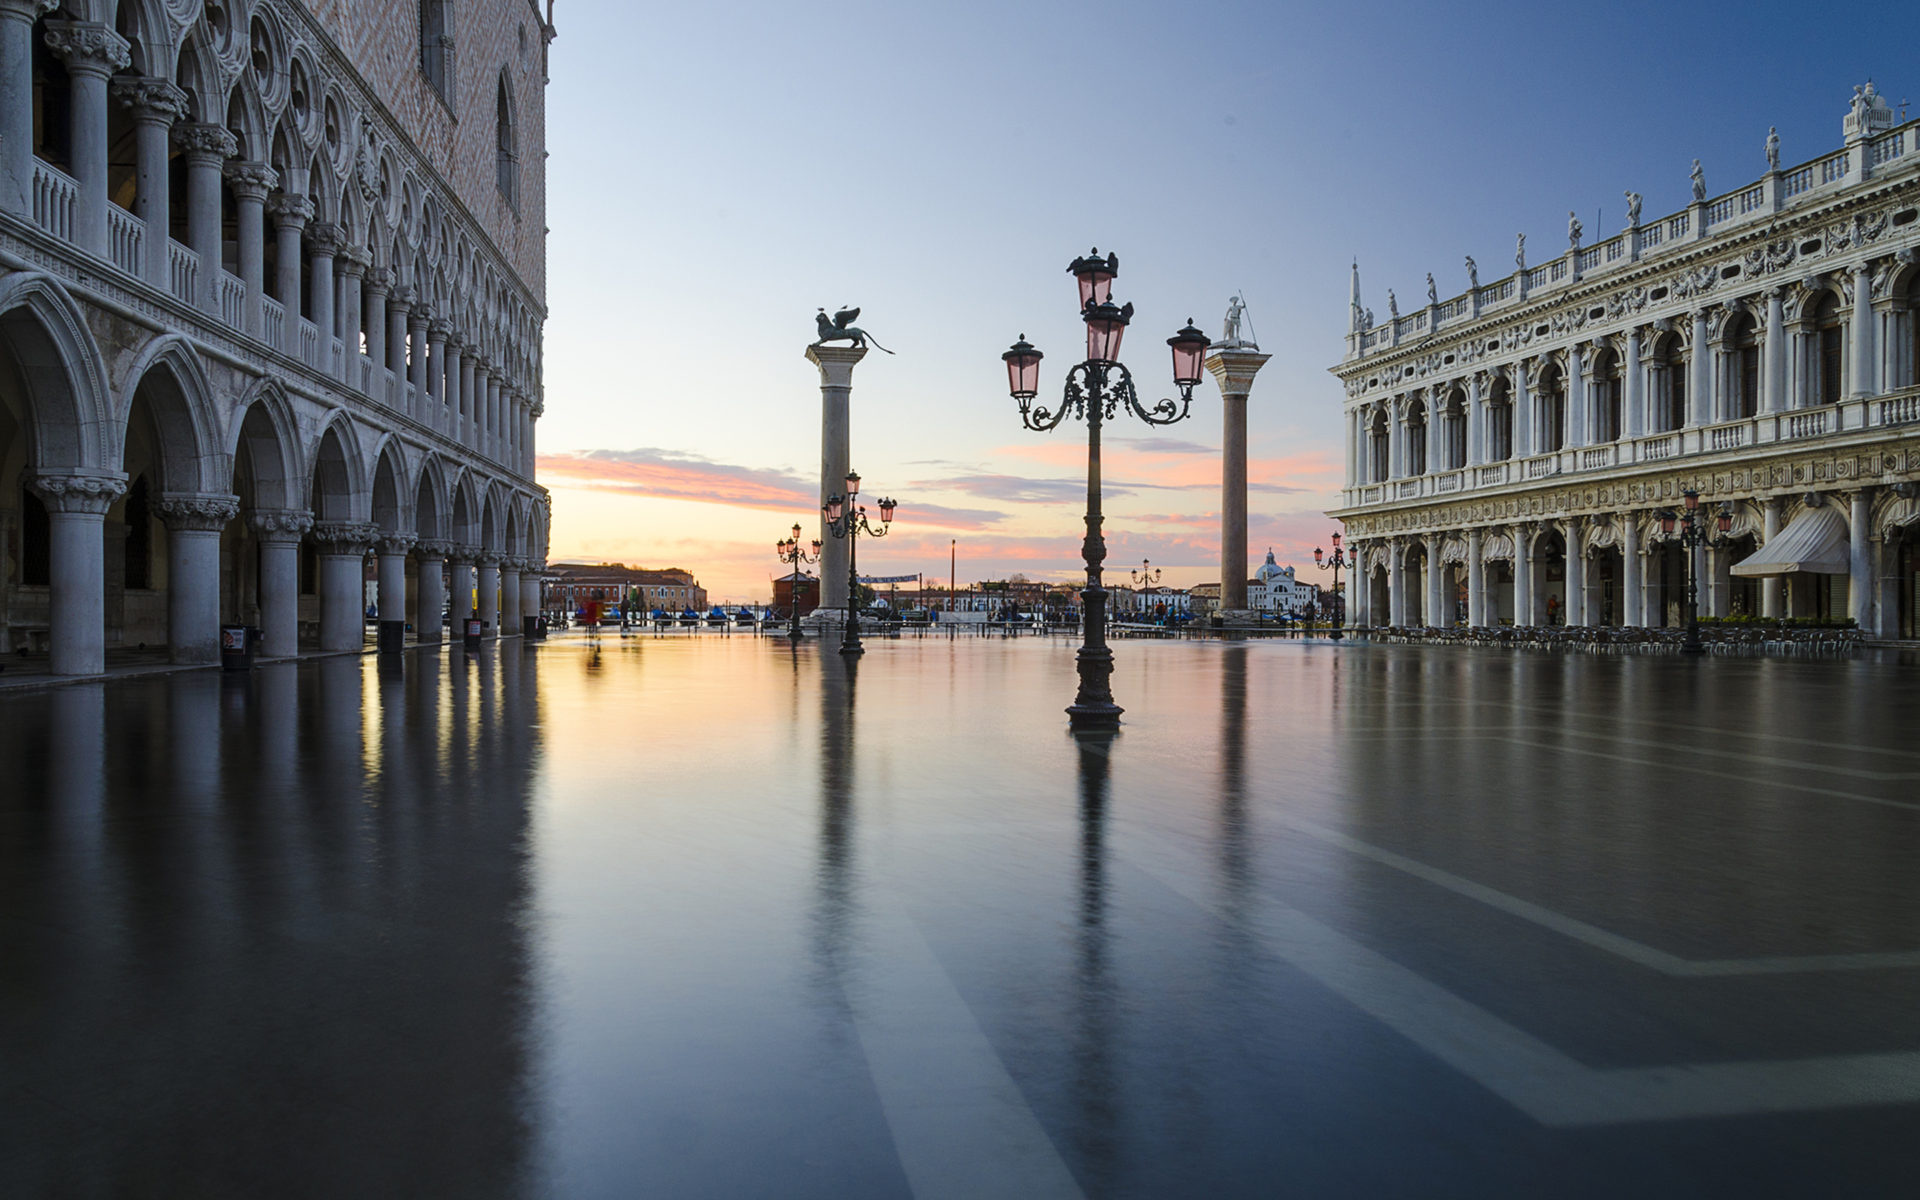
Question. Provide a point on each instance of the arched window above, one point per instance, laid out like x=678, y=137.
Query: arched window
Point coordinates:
x=1377, y=445
x=1607, y=403
x=1743, y=366
x=1416, y=456
x=1500, y=421
x=1828, y=353
x=1670, y=386
x=436, y=46
x=506, y=142
x=1455, y=430
x=1553, y=409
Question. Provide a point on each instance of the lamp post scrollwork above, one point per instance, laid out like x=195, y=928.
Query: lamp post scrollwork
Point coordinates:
x=848, y=519
x=791, y=551
x=1340, y=557
x=1098, y=389
x=1693, y=534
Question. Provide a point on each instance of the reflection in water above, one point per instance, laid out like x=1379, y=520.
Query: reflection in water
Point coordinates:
x=259, y=940
x=1095, y=1002
x=835, y=884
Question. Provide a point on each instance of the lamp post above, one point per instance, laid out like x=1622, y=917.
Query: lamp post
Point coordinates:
x=1334, y=562
x=791, y=551
x=847, y=519
x=1146, y=577
x=1692, y=535
x=1098, y=389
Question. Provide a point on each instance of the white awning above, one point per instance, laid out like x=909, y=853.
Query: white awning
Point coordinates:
x=1816, y=540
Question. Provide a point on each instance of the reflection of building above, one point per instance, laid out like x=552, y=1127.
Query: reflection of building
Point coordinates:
x=272, y=282
x=614, y=583
x=1510, y=447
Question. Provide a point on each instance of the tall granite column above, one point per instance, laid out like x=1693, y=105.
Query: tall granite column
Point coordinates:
x=836, y=365
x=1233, y=368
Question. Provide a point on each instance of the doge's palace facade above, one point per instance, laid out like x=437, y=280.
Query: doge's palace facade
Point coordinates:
x=272, y=286
x=1509, y=448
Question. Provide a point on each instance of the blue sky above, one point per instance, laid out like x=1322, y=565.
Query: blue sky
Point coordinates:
x=718, y=172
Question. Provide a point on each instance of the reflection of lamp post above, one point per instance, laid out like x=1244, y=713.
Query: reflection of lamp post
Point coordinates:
x=845, y=519
x=1693, y=534
x=1339, y=559
x=1097, y=389
x=791, y=551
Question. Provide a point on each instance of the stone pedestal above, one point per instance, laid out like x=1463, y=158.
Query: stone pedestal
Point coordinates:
x=1233, y=369
x=836, y=365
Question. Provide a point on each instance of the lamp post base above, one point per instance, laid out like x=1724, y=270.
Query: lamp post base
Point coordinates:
x=1094, y=715
x=852, y=646
x=1692, y=648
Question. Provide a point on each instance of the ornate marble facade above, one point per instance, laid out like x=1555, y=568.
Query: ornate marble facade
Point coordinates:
x=1508, y=448
x=272, y=285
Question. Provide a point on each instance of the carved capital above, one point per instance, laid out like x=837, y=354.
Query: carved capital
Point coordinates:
x=73, y=492
x=204, y=512
x=437, y=329
x=344, y=537
x=486, y=559
x=150, y=100
x=280, y=524
x=290, y=209
x=395, y=543
x=328, y=239
x=251, y=180
x=205, y=143
x=88, y=47
x=422, y=314
x=380, y=279
x=433, y=549
x=462, y=554
x=353, y=262
x=403, y=298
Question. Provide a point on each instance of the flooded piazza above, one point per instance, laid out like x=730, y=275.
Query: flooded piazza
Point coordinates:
x=726, y=916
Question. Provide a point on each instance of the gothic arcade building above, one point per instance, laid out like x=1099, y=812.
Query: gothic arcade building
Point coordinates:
x=1508, y=449
x=272, y=284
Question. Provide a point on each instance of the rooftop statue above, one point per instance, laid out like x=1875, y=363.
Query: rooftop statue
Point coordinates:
x=841, y=328
x=1393, y=306
x=1433, y=293
x=1520, y=251
x=1699, y=178
x=1633, y=209
x=1231, y=334
x=1575, y=230
x=1473, y=274
x=1773, y=148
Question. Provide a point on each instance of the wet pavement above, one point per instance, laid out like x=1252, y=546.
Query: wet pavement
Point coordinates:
x=723, y=917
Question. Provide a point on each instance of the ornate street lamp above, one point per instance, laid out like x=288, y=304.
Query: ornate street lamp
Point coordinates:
x=1097, y=390
x=847, y=519
x=1693, y=534
x=791, y=551
x=1339, y=558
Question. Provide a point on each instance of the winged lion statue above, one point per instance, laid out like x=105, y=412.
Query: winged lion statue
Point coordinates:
x=840, y=327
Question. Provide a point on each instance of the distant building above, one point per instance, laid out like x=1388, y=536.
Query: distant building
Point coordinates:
x=786, y=587
x=1273, y=588
x=618, y=584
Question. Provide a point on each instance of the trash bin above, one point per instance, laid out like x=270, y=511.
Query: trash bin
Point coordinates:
x=236, y=648
x=530, y=627
x=393, y=636
x=474, y=628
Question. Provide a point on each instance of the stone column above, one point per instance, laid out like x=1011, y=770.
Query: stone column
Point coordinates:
x=438, y=376
x=1396, y=583
x=1860, y=561
x=1773, y=390
x=1574, y=604
x=91, y=51
x=290, y=215
x=1523, y=576
x=1579, y=394
x=1522, y=400
x=379, y=287
x=16, y=102
x=1633, y=389
x=392, y=569
x=458, y=385
x=1770, y=589
x=430, y=588
x=154, y=105
x=399, y=319
x=836, y=365
x=77, y=506
x=1632, y=600
x=353, y=268
x=1435, y=443
x=327, y=240
x=1700, y=374
x=194, y=523
x=510, y=597
x=460, y=577
x=342, y=547
x=1476, y=419
x=1233, y=370
x=1864, y=382
x=417, y=320
x=1476, y=582
x=530, y=596
x=251, y=183
x=206, y=149
x=279, y=531
x=1438, y=604
x=489, y=613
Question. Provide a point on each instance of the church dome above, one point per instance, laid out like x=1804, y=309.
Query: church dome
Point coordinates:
x=1270, y=569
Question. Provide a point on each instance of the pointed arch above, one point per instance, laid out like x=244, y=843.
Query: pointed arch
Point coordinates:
x=393, y=494
x=430, y=500
x=170, y=386
x=60, y=373
x=464, y=511
x=339, y=473
x=264, y=448
x=506, y=137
